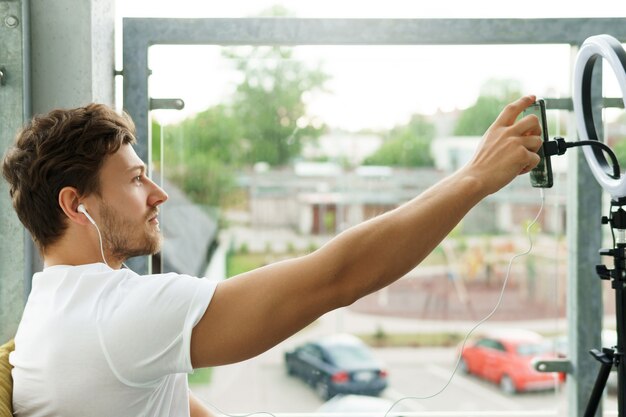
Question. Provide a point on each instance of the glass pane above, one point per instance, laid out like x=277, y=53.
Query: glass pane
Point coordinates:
x=280, y=149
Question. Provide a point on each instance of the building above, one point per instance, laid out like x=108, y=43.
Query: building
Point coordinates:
x=325, y=199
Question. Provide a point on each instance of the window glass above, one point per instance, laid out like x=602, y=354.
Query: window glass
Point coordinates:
x=280, y=149
x=533, y=349
x=485, y=343
x=499, y=346
x=349, y=356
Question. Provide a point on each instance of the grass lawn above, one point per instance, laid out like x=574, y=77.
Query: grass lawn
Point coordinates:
x=238, y=264
x=201, y=376
x=411, y=339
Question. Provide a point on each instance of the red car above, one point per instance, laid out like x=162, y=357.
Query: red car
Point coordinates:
x=506, y=357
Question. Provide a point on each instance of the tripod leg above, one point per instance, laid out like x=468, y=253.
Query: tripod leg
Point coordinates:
x=606, y=363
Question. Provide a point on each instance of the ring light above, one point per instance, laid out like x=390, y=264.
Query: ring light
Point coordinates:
x=609, y=48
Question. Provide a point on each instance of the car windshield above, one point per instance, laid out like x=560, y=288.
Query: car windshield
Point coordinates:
x=531, y=349
x=350, y=356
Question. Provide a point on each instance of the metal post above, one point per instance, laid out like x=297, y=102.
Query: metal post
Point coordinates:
x=137, y=104
x=13, y=112
x=584, y=297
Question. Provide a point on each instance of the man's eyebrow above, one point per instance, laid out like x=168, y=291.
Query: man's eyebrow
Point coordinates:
x=140, y=167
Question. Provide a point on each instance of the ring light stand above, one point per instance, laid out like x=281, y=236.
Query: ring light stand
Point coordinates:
x=607, y=47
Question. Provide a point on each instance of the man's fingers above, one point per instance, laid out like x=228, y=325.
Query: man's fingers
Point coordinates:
x=534, y=161
x=528, y=125
x=509, y=114
x=531, y=142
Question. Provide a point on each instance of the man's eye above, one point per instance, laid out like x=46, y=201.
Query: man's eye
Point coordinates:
x=137, y=179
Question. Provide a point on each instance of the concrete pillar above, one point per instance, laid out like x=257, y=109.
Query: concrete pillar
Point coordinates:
x=71, y=53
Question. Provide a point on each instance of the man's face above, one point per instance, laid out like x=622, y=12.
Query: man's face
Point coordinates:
x=127, y=207
x=124, y=238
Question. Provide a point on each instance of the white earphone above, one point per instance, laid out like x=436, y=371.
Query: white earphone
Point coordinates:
x=81, y=209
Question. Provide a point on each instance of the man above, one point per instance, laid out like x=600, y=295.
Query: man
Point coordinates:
x=99, y=340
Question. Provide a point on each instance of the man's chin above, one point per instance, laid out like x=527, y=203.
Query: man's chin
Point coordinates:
x=151, y=247
x=153, y=240
x=154, y=247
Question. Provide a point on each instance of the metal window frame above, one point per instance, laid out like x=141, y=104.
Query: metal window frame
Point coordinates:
x=584, y=203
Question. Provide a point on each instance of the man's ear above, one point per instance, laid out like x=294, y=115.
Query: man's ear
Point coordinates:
x=69, y=200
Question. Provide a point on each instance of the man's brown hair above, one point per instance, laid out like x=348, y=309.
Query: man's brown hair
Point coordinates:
x=60, y=149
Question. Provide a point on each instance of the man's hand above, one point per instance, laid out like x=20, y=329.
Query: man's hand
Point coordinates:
x=508, y=148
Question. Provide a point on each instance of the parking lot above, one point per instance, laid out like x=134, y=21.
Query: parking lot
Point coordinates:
x=262, y=384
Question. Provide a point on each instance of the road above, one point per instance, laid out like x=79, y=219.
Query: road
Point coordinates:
x=261, y=384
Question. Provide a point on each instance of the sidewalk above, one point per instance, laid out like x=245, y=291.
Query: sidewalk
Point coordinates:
x=368, y=323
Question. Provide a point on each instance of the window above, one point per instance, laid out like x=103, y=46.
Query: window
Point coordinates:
x=311, y=179
x=328, y=195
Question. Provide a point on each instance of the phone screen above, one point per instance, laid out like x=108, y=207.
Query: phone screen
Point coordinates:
x=541, y=175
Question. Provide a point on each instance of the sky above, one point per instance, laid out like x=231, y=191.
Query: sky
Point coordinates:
x=371, y=87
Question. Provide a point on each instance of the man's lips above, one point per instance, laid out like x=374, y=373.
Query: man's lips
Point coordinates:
x=154, y=218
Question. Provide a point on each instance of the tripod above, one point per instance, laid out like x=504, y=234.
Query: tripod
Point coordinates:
x=613, y=356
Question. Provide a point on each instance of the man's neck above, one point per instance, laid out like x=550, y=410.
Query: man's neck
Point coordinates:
x=63, y=255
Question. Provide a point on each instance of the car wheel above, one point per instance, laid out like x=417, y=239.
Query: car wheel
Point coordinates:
x=507, y=386
x=463, y=367
x=322, y=390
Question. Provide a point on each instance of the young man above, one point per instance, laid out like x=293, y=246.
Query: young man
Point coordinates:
x=99, y=340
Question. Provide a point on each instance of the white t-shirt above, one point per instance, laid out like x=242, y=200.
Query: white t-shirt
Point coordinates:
x=95, y=342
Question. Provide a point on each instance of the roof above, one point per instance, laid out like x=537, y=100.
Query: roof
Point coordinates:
x=188, y=231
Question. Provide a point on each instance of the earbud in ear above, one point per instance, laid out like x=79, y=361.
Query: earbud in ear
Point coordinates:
x=81, y=208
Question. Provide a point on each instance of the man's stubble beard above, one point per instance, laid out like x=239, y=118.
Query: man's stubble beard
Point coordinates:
x=123, y=239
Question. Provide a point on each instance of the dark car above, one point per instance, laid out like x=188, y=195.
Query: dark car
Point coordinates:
x=337, y=364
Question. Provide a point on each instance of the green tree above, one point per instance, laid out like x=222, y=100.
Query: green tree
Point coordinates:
x=269, y=103
x=406, y=145
x=618, y=141
x=266, y=120
x=202, y=153
x=620, y=152
x=156, y=143
x=214, y=132
x=494, y=95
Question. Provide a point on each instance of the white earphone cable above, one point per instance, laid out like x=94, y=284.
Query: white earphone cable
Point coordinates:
x=101, y=246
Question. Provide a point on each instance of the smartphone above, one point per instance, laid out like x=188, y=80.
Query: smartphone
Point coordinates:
x=541, y=175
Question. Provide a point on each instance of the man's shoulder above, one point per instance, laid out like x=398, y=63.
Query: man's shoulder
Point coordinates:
x=68, y=273
x=92, y=279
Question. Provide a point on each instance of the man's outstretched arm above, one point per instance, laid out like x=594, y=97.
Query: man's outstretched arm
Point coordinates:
x=256, y=310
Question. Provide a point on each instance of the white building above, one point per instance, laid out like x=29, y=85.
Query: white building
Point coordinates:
x=343, y=146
